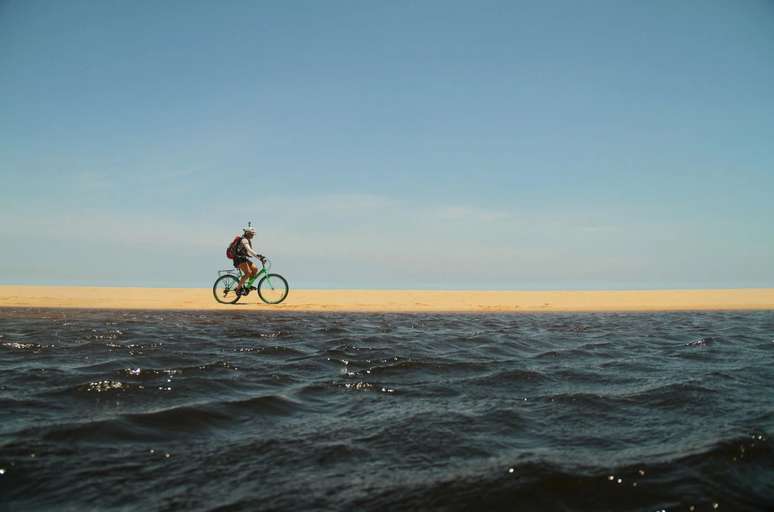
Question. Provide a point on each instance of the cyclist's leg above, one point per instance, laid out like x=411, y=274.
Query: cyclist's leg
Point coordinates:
x=245, y=268
x=253, y=272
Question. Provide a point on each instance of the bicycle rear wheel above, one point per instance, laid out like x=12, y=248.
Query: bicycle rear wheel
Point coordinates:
x=272, y=289
x=224, y=289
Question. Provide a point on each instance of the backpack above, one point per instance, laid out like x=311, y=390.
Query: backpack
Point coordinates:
x=231, y=250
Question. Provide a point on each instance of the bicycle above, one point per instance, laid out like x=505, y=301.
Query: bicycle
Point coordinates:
x=271, y=288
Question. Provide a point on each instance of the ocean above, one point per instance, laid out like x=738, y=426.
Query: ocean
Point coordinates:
x=205, y=411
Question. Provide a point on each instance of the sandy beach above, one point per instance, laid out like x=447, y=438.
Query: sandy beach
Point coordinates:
x=12, y=296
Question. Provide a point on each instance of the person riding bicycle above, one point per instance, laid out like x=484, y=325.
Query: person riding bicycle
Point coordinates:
x=242, y=261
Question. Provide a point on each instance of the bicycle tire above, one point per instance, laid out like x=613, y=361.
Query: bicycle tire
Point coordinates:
x=227, y=285
x=273, y=288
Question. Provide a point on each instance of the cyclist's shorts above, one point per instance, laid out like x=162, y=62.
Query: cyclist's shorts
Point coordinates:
x=239, y=260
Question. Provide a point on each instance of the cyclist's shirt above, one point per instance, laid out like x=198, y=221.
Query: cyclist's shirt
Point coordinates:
x=246, y=248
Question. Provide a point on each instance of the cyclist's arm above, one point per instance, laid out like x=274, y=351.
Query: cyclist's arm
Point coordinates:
x=247, y=249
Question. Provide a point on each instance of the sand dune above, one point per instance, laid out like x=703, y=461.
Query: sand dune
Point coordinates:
x=390, y=300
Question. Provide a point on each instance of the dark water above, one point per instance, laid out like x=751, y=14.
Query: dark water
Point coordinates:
x=294, y=411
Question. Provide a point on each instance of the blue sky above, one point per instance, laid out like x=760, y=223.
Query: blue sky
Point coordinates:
x=460, y=145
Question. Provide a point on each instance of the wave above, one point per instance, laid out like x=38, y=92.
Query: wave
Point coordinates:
x=715, y=479
x=396, y=366
x=505, y=377
x=171, y=423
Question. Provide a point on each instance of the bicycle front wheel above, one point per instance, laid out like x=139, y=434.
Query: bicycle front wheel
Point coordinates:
x=224, y=289
x=272, y=289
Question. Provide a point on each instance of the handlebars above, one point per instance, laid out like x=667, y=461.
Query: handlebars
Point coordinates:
x=265, y=262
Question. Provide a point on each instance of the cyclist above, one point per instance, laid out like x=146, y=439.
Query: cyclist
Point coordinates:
x=242, y=261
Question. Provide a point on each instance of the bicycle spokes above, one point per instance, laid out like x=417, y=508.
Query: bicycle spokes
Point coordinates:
x=273, y=289
x=224, y=289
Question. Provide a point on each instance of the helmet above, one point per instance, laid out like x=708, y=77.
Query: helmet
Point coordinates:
x=249, y=229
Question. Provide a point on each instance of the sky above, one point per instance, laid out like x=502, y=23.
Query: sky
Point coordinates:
x=404, y=144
